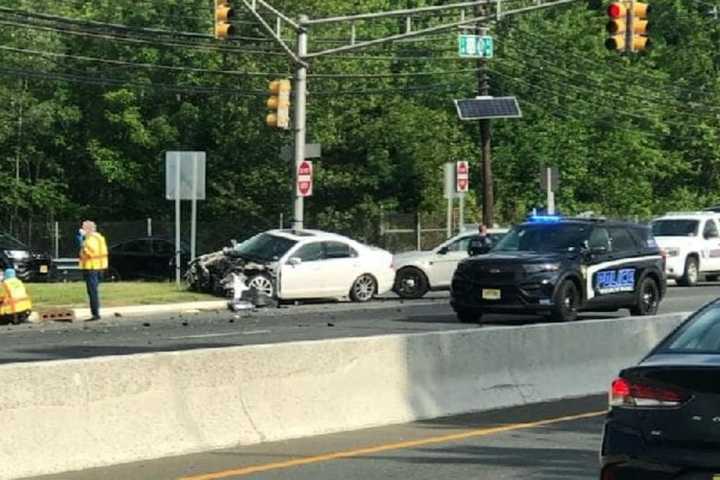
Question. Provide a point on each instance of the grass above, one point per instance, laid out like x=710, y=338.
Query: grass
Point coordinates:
x=73, y=294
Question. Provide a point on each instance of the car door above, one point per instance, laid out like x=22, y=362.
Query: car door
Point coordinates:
x=302, y=273
x=340, y=268
x=711, y=247
x=597, y=263
x=163, y=259
x=445, y=260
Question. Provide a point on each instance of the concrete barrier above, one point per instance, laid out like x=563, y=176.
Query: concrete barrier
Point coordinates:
x=71, y=415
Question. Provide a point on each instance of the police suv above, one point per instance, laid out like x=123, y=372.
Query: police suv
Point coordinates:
x=556, y=267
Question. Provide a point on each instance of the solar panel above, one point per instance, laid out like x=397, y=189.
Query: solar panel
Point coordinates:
x=488, y=107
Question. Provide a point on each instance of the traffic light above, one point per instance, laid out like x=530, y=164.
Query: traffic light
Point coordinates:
x=279, y=104
x=617, y=14
x=640, y=26
x=224, y=12
x=627, y=26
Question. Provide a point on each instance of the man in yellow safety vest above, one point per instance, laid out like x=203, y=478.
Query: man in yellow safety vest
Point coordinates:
x=15, y=303
x=93, y=261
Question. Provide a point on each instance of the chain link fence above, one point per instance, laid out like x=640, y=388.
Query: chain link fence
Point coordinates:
x=396, y=232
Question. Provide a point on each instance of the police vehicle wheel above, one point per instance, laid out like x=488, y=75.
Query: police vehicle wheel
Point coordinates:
x=410, y=283
x=468, y=316
x=648, y=298
x=566, y=302
x=692, y=272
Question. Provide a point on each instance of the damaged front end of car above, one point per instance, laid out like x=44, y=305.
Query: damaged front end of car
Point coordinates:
x=216, y=273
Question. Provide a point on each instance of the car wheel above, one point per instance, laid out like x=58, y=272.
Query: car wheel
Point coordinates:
x=691, y=274
x=262, y=284
x=648, y=298
x=364, y=289
x=411, y=283
x=468, y=316
x=567, y=301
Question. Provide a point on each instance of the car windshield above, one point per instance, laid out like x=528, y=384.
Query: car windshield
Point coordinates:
x=700, y=335
x=675, y=228
x=8, y=242
x=544, y=238
x=264, y=247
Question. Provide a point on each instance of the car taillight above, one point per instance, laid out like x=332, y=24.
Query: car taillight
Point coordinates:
x=624, y=393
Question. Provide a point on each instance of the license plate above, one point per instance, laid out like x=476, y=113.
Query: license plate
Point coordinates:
x=491, y=294
x=43, y=269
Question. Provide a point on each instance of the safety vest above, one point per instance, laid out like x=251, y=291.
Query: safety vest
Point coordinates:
x=94, y=253
x=14, y=297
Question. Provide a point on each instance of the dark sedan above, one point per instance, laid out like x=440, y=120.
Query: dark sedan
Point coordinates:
x=664, y=418
x=29, y=265
x=148, y=258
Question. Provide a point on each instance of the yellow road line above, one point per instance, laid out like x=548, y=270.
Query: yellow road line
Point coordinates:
x=383, y=448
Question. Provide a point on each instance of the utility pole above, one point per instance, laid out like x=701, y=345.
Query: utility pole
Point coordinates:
x=300, y=120
x=485, y=135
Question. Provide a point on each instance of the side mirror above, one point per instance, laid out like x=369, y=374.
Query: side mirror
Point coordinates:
x=443, y=251
x=710, y=235
x=598, y=250
x=294, y=261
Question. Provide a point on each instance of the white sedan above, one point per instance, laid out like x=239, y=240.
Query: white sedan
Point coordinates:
x=291, y=265
x=421, y=271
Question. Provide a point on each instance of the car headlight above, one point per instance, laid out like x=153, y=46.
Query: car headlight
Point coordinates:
x=17, y=254
x=542, y=267
x=672, y=252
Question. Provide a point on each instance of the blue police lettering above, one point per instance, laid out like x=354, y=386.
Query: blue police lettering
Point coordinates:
x=614, y=281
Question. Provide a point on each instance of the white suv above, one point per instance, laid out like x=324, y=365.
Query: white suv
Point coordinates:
x=691, y=244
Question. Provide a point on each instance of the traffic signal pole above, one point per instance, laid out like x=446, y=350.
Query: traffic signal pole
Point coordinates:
x=300, y=123
x=488, y=196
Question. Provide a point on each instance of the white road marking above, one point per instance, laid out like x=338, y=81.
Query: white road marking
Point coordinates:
x=214, y=335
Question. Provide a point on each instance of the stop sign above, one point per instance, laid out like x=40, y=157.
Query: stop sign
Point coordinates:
x=462, y=177
x=305, y=179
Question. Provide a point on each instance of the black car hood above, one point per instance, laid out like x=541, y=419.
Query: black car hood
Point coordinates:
x=518, y=258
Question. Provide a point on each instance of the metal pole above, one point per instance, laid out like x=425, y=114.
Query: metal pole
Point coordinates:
x=550, y=193
x=149, y=227
x=177, y=221
x=300, y=122
x=418, y=224
x=57, y=239
x=449, y=216
x=485, y=140
x=193, y=225
x=461, y=214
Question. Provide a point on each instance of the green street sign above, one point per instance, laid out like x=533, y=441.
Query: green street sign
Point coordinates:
x=475, y=46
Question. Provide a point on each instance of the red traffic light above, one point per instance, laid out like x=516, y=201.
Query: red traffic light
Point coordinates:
x=616, y=10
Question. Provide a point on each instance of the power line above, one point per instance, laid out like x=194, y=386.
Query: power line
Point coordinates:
x=106, y=81
x=141, y=65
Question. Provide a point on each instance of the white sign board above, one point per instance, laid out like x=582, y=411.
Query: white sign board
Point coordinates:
x=462, y=177
x=305, y=179
x=192, y=175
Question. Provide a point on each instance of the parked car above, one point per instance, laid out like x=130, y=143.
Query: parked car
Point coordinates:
x=664, y=417
x=691, y=243
x=288, y=265
x=30, y=265
x=556, y=267
x=421, y=271
x=147, y=258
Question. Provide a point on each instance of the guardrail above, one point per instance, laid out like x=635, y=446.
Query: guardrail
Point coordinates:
x=76, y=414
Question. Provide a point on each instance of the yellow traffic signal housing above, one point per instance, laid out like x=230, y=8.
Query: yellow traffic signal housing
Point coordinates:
x=640, y=26
x=224, y=12
x=627, y=26
x=617, y=14
x=279, y=104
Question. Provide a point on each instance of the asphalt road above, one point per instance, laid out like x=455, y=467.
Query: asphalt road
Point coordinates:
x=549, y=441
x=126, y=336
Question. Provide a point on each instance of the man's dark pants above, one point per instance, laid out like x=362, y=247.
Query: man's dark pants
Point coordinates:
x=92, y=280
